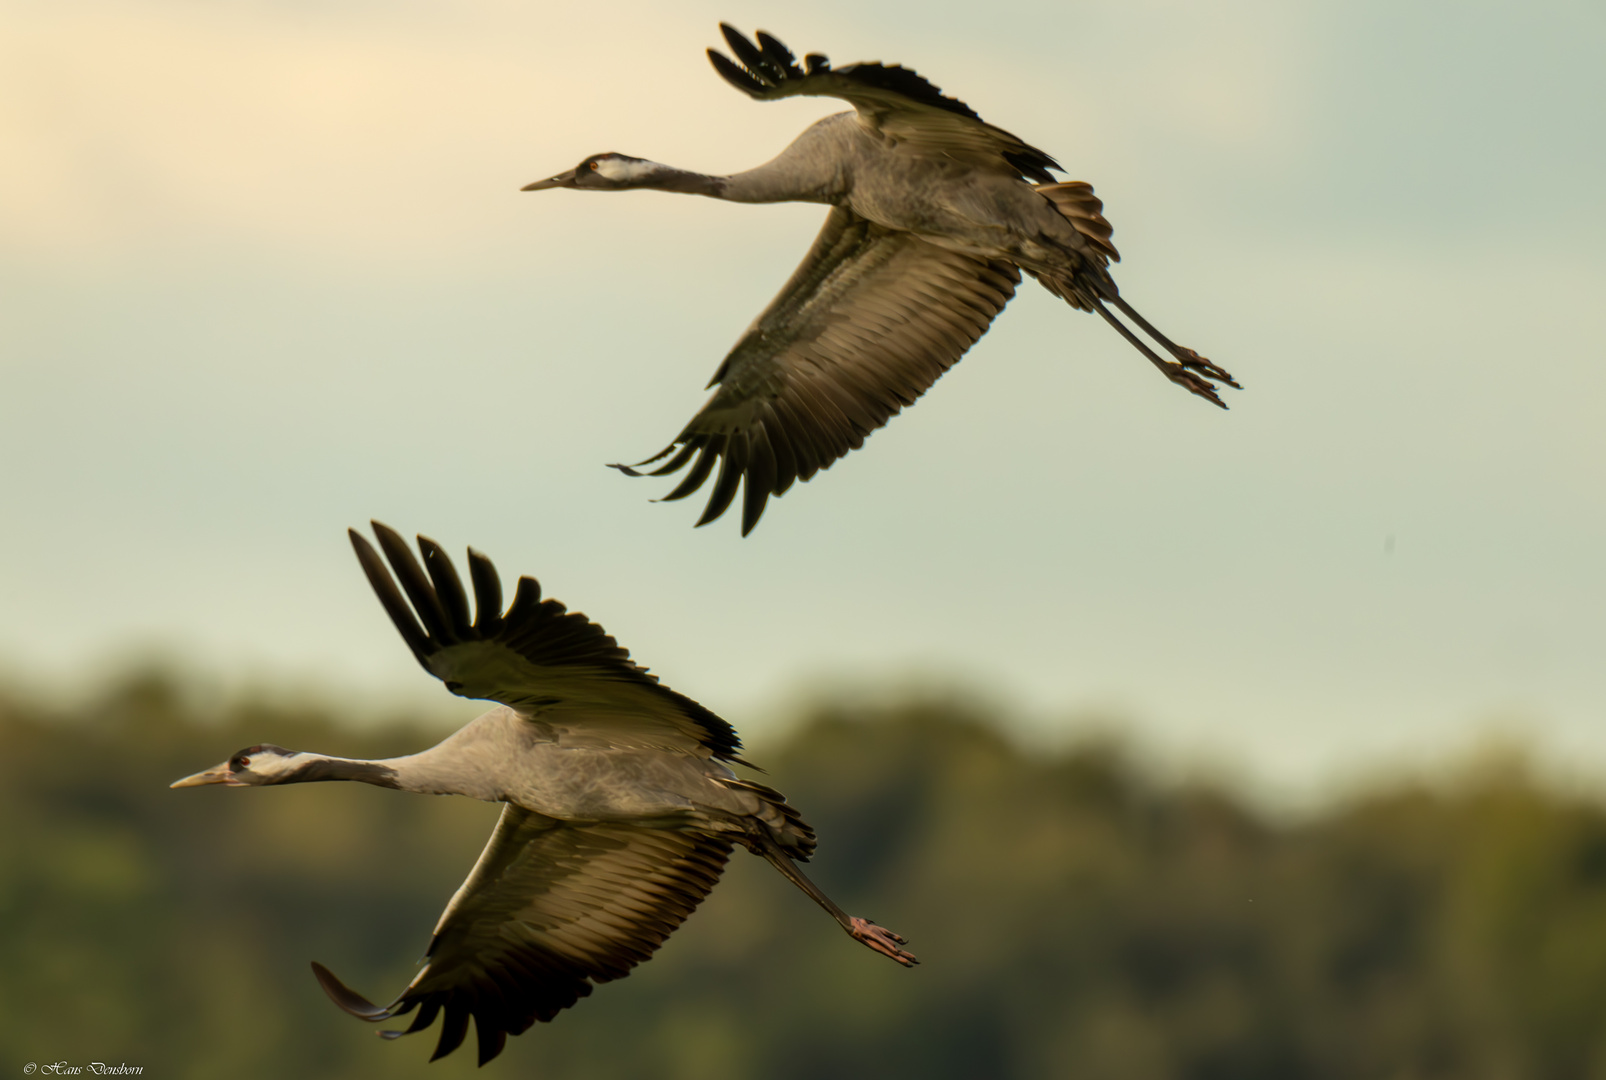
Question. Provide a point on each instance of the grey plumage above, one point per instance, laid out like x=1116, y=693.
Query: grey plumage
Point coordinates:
x=934, y=215
x=620, y=809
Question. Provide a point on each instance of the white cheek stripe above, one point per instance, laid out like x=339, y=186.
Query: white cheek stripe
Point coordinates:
x=614, y=169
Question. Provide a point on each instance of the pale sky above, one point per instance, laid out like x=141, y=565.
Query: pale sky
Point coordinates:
x=267, y=273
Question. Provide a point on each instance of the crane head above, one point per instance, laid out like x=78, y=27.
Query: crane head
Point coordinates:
x=605, y=172
x=255, y=765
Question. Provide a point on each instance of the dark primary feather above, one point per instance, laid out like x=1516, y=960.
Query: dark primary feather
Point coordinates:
x=772, y=64
x=426, y=602
x=448, y=587
x=866, y=324
x=550, y=909
x=563, y=652
x=880, y=92
x=391, y=599
x=487, y=594
x=907, y=83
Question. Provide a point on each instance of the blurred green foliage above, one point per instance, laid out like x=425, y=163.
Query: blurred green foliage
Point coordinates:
x=1075, y=917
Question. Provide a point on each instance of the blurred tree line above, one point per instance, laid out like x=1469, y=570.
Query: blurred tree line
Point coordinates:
x=1075, y=916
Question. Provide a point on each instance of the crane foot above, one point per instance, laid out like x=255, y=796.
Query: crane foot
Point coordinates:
x=1194, y=362
x=1183, y=373
x=882, y=940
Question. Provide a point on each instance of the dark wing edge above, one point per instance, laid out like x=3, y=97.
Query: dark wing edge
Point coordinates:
x=766, y=70
x=550, y=910
x=867, y=323
x=431, y=611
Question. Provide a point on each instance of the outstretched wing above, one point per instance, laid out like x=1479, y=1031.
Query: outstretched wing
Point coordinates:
x=555, y=666
x=550, y=909
x=868, y=322
x=891, y=100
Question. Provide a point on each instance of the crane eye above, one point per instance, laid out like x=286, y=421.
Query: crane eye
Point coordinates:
x=240, y=763
x=593, y=166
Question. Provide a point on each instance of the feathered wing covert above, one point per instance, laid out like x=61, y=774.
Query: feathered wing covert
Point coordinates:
x=550, y=909
x=555, y=666
x=866, y=324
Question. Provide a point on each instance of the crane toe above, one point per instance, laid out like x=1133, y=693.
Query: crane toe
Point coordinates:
x=882, y=940
x=1194, y=362
x=1180, y=373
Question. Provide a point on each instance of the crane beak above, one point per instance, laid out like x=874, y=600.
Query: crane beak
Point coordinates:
x=218, y=774
x=561, y=180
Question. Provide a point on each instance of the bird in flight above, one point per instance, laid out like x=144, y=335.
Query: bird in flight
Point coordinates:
x=934, y=214
x=619, y=808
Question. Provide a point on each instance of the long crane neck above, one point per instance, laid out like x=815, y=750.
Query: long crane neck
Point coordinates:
x=771, y=182
x=815, y=168
x=685, y=182
x=455, y=767
x=775, y=181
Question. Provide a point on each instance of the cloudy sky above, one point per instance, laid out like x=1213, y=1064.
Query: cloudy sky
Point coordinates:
x=267, y=273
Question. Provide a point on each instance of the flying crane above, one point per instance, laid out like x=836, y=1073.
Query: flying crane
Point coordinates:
x=620, y=809
x=934, y=214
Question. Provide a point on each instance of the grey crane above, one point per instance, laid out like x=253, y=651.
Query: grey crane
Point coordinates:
x=933, y=216
x=619, y=815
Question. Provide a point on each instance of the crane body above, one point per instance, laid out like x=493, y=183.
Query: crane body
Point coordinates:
x=506, y=756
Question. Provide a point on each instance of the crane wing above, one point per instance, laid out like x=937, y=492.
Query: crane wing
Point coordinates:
x=555, y=666
x=891, y=100
x=550, y=909
x=867, y=323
